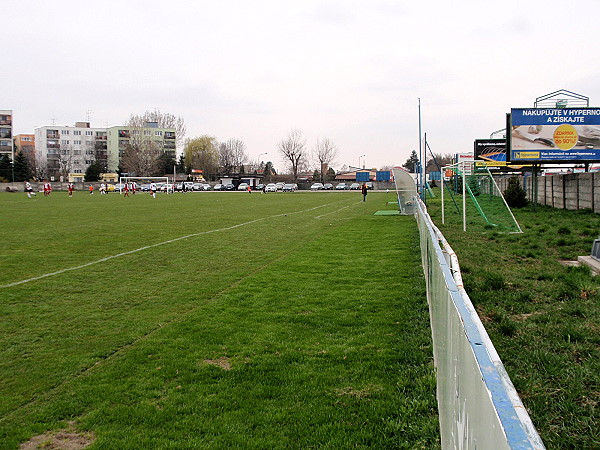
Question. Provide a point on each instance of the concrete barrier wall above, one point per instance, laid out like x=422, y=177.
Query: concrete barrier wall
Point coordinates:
x=478, y=404
x=565, y=191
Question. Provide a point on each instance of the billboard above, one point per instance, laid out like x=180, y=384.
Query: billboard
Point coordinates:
x=382, y=175
x=492, y=151
x=546, y=135
x=363, y=176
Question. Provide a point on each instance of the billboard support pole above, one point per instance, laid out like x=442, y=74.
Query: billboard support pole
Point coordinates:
x=534, y=187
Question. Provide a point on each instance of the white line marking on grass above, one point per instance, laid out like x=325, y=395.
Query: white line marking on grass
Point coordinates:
x=337, y=210
x=170, y=241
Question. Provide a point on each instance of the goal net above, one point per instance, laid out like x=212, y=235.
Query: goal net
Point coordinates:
x=144, y=183
x=470, y=190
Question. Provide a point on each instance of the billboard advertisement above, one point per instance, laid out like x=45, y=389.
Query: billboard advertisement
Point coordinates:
x=546, y=135
x=492, y=151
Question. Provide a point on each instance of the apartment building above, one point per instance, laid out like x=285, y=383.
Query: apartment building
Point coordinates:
x=120, y=138
x=6, y=133
x=68, y=151
x=64, y=150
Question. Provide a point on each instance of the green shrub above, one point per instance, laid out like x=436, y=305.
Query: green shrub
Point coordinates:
x=514, y=194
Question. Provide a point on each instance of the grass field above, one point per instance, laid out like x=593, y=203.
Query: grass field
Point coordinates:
x=213, y=320
x=542, y=315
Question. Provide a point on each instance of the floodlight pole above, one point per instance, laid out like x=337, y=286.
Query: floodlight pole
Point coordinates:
x=420, y=157
x=464, y=194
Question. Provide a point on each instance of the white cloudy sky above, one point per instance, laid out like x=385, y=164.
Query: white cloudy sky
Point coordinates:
x=352, y=71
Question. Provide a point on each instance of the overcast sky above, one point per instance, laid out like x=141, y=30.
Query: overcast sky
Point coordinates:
x=352, y=71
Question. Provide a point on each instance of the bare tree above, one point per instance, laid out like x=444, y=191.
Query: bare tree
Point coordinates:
x=141, y=157
x=65, y=160
x=324, y=152
x=293, y=149
x=164, y=120
x=232, y=155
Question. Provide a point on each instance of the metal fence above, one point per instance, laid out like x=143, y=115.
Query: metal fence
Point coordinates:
x=478, y=404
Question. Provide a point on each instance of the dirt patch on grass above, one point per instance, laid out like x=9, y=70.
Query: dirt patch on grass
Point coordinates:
x=365, y=392
x=223, y=362
x=68, y=439
x=521, y=317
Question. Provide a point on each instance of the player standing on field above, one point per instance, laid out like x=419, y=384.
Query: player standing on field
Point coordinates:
x=70, y=188
x=126, y=190
x=153, y=190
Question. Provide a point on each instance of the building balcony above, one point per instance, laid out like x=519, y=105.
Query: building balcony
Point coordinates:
x=101, y=138
x=101, y=146
x=6, y=122
x=53, y=146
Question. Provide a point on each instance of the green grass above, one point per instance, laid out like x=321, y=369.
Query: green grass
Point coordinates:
x=306, y=327
x=542, y=316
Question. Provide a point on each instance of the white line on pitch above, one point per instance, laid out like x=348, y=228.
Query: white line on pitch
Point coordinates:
x=170, y=241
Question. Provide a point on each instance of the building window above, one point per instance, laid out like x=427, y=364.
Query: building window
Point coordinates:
x=147, y=133
x=77, y=171
x=77, y=142
x=136, y=132
x=158, y=133
x=26, y=139
x=77, y=132
x=77, y=152
x=89, y=133
x=66, y=132
x=65, y=142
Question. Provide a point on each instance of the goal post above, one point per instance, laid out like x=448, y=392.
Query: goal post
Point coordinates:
x=162, y=183
x=483, y=203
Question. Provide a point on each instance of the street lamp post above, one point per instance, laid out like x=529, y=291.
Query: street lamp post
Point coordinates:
x=361, y=156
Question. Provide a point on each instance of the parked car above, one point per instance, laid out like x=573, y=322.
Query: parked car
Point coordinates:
x=369, y=185
x=316, y=186
x=229, y=187
x=259, y=187
x=327, y=186
x=355, y=186
x=145, y=187
x=279, y=185
x=341, y=186
x=119, y=187
x=242, y=187
x=289, y=187
x=206, y=187
x=219, y=187
x=271, y=187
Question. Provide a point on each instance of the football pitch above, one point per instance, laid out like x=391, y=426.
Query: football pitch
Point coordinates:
x=213, y=320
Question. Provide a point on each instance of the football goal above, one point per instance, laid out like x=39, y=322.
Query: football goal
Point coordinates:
x=482, y=202
x=143, y=183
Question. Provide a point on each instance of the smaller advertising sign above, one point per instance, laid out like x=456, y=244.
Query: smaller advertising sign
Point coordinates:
x=362, y=176
x=382, y=175
x=492, y=151
x=555, y=134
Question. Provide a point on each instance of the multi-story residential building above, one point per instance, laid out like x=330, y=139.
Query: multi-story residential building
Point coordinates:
x=25, y=143
x=68, y=151
x=120, y=138
x=6, y=133
x=61, y=151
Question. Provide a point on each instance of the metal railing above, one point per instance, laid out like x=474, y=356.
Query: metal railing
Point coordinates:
x=478, y=404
